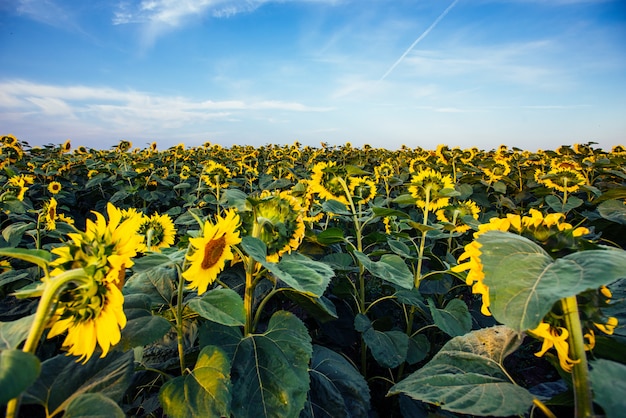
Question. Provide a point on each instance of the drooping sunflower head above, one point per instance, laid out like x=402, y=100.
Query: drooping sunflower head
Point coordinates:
x=159, y=232
x=278, y=220
x=429, y=188
x=454, y=214
x=383, y=172
x=497, y=170
x=92, y=314
x=362, y=189
x=550, y=231
x=326, y=181
x=216, y=175
x=563, y=179
x=185, y=172
x=210, y=251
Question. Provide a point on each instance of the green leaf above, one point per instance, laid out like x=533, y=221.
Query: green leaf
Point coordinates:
x=62, y=379
x=270, y=370
x=205, y=392
x=454, y=319
x=151, y=261
x=330, y=236
x=608, y=380
x=411, y=297
x=336, y=207
x=391, y=268
x=222, y=336
x=223, y=306
x=613, y=210
x=381, y=212
x=338, y=390
x=400, y=248
x=40, y=258
x=159, y=284
x=93, y=405
x=499, y=187
x=14, y=232
x=142, y=326
x=389, y=348
x=556, y=204
x=18, y=370
x=295, y=270
x=320, y=308
x=524, y=282
x=14, y=332
x=466, y=376
x=419, y=346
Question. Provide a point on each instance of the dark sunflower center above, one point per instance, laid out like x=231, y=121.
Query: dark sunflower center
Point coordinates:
x=213, y=250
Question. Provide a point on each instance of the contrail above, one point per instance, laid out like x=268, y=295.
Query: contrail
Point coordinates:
x=422, y=36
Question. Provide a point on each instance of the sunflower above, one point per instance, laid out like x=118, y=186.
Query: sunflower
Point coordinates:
x=383, y=172
x=427, y=185
x=159, y=232
x=454, y=214
x=362, y=188
x=91, y=312
x=54, y=187
x=215, y=175
x=279, y=221
x=211, y=251
x=66, y=147
x=49, y=214
x=544, y=230
x=498, y=170
x=326, y=181
x=563, y=179
x=184, y=172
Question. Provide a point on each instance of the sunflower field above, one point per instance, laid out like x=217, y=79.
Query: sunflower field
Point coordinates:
x=298, y=281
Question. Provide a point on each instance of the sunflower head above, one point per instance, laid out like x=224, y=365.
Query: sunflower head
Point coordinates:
x=564, y=179
x=327, y=180
x=49, y=214
x=455, y=214
x=277, y=219
x=362, y=189
x=159, y=232
x=383, y=172
x=54, y=187
x=429, y=187
x=216, y=175
x=66, y=147
x=210, y=251
x=498, y=169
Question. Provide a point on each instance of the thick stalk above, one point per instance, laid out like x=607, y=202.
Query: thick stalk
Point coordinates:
x=580, y=373
x=248, y=296
x=45, y=308
x=179, y=323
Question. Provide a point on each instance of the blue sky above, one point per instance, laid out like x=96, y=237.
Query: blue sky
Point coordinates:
x=533, y=74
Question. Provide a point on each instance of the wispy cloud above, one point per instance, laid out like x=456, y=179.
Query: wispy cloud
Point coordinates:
x=160, y=16
x=75, y=107
x=48, y=12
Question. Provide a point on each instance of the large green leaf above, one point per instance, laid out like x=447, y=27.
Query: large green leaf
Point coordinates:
x=613, y=210
x=62, y=379
x=454, y=319
x=524, y=282
x=338, y=390
x=40, y=258
x=608, y=380
x=391, y=268
x=223, y=306
x=142, y=326
x=157, y=283
x=225, y=337
x=18, y=370
x=205, y=392
x=466, y=376
x=14, y=332
x=270, y=370
x=295, y=270
x=389, y=348
x=93, y=405
x=14, y=232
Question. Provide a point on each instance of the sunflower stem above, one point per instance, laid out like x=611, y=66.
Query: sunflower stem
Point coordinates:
x=580, y=373
x=53, y=287
x=179, y=323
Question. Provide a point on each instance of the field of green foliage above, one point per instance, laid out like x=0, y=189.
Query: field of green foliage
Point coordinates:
x=298, y=281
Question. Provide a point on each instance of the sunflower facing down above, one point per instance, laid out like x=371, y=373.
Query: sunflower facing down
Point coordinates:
x=91, y=311
x=159, y=232
x=427, y=187
x=211, y=251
